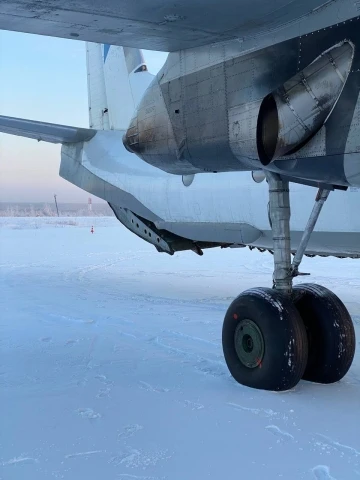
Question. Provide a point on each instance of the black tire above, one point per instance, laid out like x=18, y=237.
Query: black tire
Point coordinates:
x=330, y=331
x=276, y=357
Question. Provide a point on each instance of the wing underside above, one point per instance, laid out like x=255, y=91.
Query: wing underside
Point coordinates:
x=155, y=25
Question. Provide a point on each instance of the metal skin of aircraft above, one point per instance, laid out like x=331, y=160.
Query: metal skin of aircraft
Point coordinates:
x=254, y=96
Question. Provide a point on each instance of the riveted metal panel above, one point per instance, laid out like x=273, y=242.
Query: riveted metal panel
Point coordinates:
x=212, y=103
x=242, y=129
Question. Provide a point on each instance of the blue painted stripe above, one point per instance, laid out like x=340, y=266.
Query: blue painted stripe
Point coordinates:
x=106, y=50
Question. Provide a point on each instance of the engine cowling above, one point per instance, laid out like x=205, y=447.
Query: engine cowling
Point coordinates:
x=292, y=114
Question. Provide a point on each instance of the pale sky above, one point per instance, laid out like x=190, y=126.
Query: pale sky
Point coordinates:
x=43, y=78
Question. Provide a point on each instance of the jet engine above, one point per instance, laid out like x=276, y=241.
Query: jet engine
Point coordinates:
x=292, y=114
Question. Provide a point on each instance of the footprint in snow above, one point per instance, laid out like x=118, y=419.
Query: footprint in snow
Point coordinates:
x=322, y=472
x=104, y=392
x=151, y=388
x=103, y=379
x=88, y=413
x=193, y=405
x=45, y=339
x=133, y=458
x=283, y=436
x=129, y=431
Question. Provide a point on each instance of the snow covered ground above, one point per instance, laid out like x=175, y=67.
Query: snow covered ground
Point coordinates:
x=112, y=367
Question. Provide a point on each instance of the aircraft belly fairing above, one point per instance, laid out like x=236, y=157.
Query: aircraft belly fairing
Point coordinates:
x=225, y=209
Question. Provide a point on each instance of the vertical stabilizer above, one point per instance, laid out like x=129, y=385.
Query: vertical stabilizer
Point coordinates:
x=139, y=77
x=117, y=79
x=98, y=107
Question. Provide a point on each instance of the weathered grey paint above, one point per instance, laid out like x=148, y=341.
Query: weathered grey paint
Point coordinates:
x=168, y=26
x=201, y=113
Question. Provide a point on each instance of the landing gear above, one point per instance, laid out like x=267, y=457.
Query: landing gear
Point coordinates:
x=264, y=340
x=274, y=337
x=330, y=333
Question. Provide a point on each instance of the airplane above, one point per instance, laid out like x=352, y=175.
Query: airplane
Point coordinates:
x=254, y=96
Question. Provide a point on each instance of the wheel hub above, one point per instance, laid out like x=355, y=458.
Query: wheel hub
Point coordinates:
x=249, y=343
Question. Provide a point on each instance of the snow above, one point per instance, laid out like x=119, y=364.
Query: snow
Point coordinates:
x=112, y=367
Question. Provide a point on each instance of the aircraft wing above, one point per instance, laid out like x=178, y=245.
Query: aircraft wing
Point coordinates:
x=154, y=25
x=47, y=132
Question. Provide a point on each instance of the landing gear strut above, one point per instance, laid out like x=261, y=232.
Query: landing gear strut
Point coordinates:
x=274, y=337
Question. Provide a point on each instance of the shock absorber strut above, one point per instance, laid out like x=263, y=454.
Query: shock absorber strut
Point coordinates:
x=279, y=200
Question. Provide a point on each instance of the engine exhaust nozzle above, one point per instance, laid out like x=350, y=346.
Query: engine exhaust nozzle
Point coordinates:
x=291, y=115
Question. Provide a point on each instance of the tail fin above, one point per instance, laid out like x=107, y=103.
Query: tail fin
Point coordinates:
x=117, y=79
x=98, y=106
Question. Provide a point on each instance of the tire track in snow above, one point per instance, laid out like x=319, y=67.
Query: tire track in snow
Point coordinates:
x=80, y=272
x=265, y=412
x=20, y=459
x=67, y=319
x=80, y=275
x=138, y=477
x=181, y=335
x=215, y=368
x=83, y=454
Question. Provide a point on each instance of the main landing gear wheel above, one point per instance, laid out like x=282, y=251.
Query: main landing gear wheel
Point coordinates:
x=264, y=340
x=330, y=333
x=273, y=338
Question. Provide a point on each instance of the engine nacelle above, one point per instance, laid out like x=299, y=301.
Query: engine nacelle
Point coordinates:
x=296, y=111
